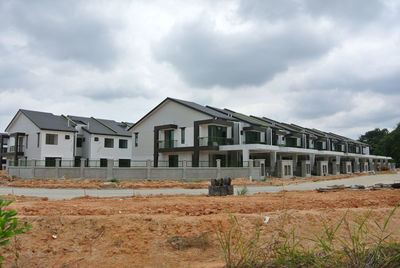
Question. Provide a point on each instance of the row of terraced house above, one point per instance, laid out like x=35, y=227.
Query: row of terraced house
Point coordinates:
x=183, y=134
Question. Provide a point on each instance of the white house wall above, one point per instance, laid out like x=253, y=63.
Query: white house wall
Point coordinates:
x=64, y=148
x=98, y=151
x=25, y=125
x=169, y=113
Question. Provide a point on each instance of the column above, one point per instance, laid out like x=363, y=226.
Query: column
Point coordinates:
x=110, y=166
x=57, y=168
x=219, y=168
x=82, y=168
x=272, y=156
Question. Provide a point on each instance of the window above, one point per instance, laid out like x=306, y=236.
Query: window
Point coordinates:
x=79, y=141
x=123, y=144
x=51, y=139
x=51, y=161
x=96, y=138
x=27, y=141
x=108, y=143
x=183, y=135
x=136, y=139
x=103, y=162
x=308, y=168
x=38, y=139
x=173, y=161
x=124, y=162
x=67, y=137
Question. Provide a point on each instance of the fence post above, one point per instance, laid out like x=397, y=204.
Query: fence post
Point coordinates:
x=251, y=166
x=218, y=168
x=184, y=169
x=110, y=166
x=57, y=168
x=148, y=171
x=82, y=166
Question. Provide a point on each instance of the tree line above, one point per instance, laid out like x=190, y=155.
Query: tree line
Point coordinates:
x=384, y=142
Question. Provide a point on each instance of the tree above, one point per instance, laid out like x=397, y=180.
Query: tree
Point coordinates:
x=373, y=138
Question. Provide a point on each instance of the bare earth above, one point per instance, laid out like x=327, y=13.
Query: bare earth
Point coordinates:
x=134, y=231
x=156, y=184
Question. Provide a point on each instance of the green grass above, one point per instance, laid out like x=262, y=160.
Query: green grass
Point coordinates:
x=243, y=191
x=362, y=242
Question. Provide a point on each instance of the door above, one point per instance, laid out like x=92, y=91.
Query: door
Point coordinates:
x=169, y=138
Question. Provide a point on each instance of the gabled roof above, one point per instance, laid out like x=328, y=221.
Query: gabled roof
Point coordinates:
x=46, y=121
x=101, y=126
x=192, y=105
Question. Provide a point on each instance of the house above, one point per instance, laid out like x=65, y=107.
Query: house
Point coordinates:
x=41, y=139
x=3, y=150
x=99, y=139
x=39, y=136
x=178, y=131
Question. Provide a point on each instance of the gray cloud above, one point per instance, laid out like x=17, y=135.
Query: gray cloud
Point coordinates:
x=62, y=30
x=205, y=57
x=350, y=12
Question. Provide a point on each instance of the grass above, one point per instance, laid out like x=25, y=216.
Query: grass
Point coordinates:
x=243, y=191
x=362, y=242
x=114, y=180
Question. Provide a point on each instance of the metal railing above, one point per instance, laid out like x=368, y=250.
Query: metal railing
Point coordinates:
x=215, y=141
x=166, y=144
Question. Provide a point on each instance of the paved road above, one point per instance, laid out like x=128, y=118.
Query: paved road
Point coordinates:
x=58, y=194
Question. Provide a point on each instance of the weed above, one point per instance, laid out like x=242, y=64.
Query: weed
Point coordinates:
x=114, y=180
x=9, y=225
x=238, y=250
x=243, y=191
x=358, y=246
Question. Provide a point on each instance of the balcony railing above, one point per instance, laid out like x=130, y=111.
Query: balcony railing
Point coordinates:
x=167, y=144
x=18, y=149
x=214, y=141
x=253, y=142
x=3, y=150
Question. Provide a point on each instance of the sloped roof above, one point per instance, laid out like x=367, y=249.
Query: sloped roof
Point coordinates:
x=46, y=121
x=101, y=126
x=200, y=108
x=203, y=109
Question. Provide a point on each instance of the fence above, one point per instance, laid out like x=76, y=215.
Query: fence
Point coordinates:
x=140, y=170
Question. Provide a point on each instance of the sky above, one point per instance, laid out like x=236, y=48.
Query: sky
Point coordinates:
x=330, y=65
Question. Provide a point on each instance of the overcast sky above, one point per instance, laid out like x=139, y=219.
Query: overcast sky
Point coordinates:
x=332, y=65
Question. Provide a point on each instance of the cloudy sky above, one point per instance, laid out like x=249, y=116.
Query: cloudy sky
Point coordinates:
x=332, y=65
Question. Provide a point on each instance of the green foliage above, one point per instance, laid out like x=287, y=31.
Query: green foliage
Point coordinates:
x=383, y=142
x=359, y=245
x=114, y=180
x=243, y=191
x=9, y=225
x=238, y=250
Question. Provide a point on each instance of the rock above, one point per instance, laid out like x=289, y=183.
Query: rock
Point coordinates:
x=108, y=184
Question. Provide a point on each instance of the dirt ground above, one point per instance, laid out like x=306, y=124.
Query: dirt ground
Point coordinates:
x=173, y=231
x=5, y=181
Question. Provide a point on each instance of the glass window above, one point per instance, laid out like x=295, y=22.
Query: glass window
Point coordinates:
x=79, y=141
x=67, y=137
x=51, y=139
x=136, y=139
x=108, y=143
x=96, y=138
x=123, y=144
x=124, y=162
x=183, y=135
x=103, y=162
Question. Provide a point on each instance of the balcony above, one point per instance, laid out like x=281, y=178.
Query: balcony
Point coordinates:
x=167, y=144
x=16, y=149
x=254, y=142
x=214, y=141
x=3, y=150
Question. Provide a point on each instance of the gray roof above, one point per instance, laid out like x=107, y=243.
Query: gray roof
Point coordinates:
x=203, y=109
x=48, y=121
x=101, y=126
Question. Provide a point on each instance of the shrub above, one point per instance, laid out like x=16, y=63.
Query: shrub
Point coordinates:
x=9, y=225
x=114, y=180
